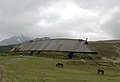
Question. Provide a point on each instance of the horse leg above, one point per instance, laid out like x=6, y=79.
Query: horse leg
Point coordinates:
x=98, y=71
x=102, y=72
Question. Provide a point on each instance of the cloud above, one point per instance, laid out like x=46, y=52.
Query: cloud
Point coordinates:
x=66, y=20
x=112, y=25
x=17, y=16
x=97, y=5
x=60, y=18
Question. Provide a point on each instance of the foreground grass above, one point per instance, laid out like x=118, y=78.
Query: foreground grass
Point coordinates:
x=7, y=57
x=44, y=70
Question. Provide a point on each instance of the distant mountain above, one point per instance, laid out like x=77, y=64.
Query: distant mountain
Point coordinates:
x=15, y=40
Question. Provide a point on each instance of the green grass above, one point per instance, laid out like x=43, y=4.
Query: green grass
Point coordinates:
x=43, y=70
x=6, y=49
x=106, y=48
x=7, y=57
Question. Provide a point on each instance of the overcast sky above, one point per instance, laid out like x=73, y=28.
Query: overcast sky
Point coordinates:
x=93, y=19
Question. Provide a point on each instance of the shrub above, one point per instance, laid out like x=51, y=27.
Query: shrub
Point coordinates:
x=98, y=57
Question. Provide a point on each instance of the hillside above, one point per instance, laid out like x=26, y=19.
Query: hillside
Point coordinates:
x=5, y=49
x=39, y=69
x=106, y=48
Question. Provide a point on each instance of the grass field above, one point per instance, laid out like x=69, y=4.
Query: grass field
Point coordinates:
x=7, y=57
x=39, y=69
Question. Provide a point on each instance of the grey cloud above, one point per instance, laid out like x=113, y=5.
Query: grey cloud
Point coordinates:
x=97, y=4
x=17, y=15
x=21, y=16
x=69, y=28
x=112, y=26
x=17, y=7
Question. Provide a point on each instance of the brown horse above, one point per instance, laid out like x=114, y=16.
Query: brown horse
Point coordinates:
x=59, y=65
x=100, y=71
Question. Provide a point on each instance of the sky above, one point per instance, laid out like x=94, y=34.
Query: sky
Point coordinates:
x=92, y=19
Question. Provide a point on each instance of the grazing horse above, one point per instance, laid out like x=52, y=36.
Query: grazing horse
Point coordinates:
x=100, y=71
x=59, y=65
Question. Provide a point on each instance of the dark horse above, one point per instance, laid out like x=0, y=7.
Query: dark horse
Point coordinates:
x=59, y=65
x=100, y=71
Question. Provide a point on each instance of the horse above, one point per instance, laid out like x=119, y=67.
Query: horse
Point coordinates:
x=59, y=65
x=100, y=71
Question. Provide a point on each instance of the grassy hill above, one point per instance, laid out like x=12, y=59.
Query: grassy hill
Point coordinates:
x=106, y=48
x=38, y=69
x=5, y=49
